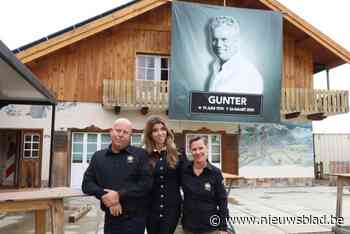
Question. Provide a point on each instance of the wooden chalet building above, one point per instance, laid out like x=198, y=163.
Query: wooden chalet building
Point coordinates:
x=96, y=71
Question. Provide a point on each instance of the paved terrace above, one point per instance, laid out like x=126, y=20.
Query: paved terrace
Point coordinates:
x=261, y=202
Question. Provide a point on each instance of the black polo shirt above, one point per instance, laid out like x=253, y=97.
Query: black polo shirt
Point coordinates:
x=127, y=172
x=204, y=196
x=166, y=184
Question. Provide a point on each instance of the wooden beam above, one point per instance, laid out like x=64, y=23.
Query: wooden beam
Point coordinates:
x=316, y=117
x=144, y=110
x=57, y=216
x=89, y=29
x=232, y=200
x=40, y=221
x=117, y=110
x=79, y=213
x=15, y=206
x=308, y=29
x=292, y=115
x=303, y=43
x=33, y=195
x=246, y=4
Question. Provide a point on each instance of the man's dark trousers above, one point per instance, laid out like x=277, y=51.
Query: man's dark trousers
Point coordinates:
x=125, y=225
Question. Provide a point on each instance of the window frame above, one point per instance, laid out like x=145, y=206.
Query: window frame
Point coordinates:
x=99, y=144
x=157, y=67
x=31, y=142
x=136, y=134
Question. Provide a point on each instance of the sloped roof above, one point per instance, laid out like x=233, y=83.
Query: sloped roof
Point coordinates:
x=328, y=53
x=18, y=85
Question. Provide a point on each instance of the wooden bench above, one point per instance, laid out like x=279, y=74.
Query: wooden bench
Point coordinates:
x=39, y=201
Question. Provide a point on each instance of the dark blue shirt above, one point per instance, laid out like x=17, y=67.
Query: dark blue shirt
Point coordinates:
x=204, y=196
x=127, y=172
x=166, y=184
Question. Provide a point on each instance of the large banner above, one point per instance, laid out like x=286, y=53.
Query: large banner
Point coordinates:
x=226, y=64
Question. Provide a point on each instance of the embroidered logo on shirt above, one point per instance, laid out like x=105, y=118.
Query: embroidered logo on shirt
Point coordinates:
x=207, y=186
x=130, y=159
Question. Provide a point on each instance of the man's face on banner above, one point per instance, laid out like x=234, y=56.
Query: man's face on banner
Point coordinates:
x=225, y=42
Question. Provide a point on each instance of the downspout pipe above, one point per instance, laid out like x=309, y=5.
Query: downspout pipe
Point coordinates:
x=52, y=142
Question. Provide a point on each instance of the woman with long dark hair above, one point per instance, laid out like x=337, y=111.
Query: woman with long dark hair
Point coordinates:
x=165, y=163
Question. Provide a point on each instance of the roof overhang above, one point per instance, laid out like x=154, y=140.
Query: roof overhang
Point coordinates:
x=326, y=52
x=18, y=85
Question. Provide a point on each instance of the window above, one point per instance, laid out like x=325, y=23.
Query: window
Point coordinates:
x=77, y=148
x=105, y=140
x=136, y=139
x=31, y=147
x=91, y=145
x=214, y=146
x=152, y=67
x=84, y=145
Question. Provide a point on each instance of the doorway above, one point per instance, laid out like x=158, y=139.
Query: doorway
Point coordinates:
x=20, y=158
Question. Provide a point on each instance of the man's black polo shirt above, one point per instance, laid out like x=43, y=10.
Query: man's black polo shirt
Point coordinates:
x=127, y=172
x=204, y=196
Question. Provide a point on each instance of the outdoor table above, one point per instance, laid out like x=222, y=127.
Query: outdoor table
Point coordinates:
x=39, y=201
x=229, y=179
x=342, y=179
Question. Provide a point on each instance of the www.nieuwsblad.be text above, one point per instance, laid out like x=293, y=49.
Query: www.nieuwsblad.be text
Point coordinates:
x=275, y=220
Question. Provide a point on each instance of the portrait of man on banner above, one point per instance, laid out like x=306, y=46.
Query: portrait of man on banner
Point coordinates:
x=230, y=71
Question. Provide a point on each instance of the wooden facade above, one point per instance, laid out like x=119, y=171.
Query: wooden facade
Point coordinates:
x=297, y=64
x=76, y=72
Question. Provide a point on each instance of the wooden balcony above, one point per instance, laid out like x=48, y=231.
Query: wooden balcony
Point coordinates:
x=315, y=104
x=135, y=94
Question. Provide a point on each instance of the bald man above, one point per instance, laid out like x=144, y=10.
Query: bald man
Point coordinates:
x=120, y=177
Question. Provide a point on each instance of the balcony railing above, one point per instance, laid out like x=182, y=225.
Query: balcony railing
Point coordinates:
x=311, y=101
x=135, y=93
x=154, y=94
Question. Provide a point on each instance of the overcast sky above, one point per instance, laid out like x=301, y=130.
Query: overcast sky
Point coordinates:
x=22, y=22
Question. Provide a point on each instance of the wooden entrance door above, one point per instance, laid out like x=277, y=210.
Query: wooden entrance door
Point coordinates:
x=230, y=153
x=31, y=154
